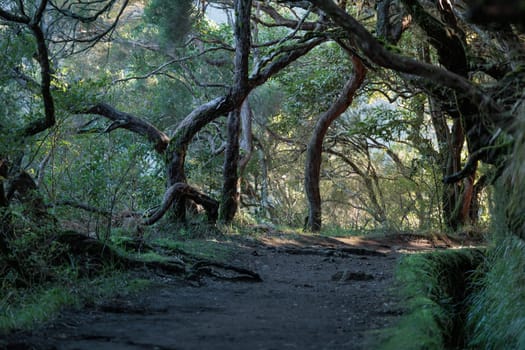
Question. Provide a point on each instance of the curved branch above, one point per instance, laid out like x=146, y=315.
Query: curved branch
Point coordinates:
x=179, y=190
x=378, y=54
x=10, y=17
x=280, y=21
x=275, y=63
x=315, y=145
x=131, y=123
x=45, y=84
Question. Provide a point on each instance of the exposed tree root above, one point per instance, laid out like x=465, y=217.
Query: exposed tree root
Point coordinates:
x=96, y=253
x=343, y=252
x=223, y=271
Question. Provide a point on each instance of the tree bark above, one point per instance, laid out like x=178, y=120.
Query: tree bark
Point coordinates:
x=230, y=193
x=6, y=228
x=206, y=113
x=127, y=121
x=315, y=145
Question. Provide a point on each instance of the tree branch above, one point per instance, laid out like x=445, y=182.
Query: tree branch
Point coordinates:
x=280, y=21
x=183, y=190
x=131, y=123
x=377, y=53
x=45, y=84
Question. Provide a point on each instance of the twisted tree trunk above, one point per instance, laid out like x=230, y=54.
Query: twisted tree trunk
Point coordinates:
x=315, y=145
x=242, y=30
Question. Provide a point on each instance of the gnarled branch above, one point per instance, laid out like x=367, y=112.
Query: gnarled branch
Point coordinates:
x=378, y=54
x=127, y=121
x=183, y=190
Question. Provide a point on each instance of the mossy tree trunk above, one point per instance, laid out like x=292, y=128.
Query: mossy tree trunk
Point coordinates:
x=449, y=41
x=242, y=31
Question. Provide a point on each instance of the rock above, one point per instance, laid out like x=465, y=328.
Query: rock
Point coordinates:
x=346, y=275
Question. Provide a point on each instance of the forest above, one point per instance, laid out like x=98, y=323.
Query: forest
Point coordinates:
x=197, y=139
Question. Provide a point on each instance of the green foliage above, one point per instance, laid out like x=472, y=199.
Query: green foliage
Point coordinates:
x=199, y=248
x=34, y=256
x=173, y=17
x=27, y=309
x=435, y=286
x=23, y=309
x=314, y=83
x=496, y=318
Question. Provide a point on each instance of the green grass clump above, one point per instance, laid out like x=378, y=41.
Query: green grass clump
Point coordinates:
x=497, y=315
x=198, y=248
x=435, y=286
x=28, y=309
x=23, y=309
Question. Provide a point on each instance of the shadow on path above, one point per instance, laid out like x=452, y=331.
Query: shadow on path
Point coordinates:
x=317, y=293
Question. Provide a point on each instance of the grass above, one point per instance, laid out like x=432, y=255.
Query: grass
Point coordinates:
x=39, y=301
x=497, y=316
x=205, y=249
x=434, y=287
x=23, y=309
x=34, y=307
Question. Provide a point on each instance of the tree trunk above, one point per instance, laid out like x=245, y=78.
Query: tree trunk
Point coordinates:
x=6, y=229
x=230, y=193
x=263, y=165
x=176, y=174
x=246, y=142
x=457, y=197
x=315, y=145
x=221, y=106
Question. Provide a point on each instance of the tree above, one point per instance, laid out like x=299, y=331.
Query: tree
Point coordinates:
x=480, y=113
x=182, y=77
x=315, y=146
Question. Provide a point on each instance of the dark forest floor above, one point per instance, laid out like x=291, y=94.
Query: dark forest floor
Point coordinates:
x=316, y=293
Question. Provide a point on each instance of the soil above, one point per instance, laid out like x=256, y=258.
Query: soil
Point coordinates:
x=316, y=293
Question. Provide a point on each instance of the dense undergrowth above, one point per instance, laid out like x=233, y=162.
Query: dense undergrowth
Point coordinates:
x=463, y=299
x=47, y=271
x=435, y=287
x=25, y=308
x=496, y=317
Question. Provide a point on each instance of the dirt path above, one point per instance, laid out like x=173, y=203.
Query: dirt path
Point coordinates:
x=317, y=293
